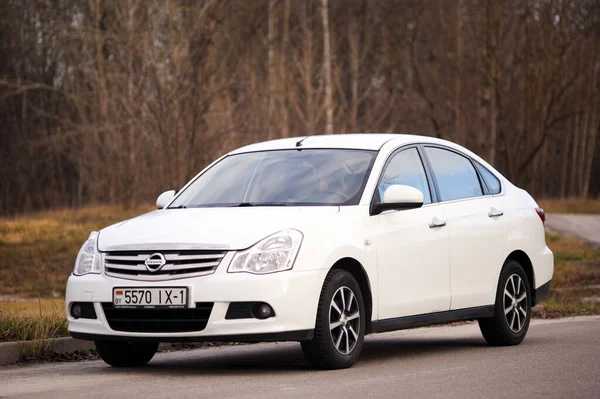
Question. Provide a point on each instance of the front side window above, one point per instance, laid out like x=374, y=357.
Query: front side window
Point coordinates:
x=284, y=177
x=405, y=168
x=455, y=176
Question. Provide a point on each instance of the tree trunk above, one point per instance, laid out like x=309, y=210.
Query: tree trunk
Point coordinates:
x=493, y=129
x=271, y=70
x=593, y=131
x=583, y=154
x=283, y=76
x=590, y=158
x=354, y=44
x=308, y=68
x=327, y=67
x=574, y=158
x=99, y=59
x=565, y=167
x=460, y=139
x=131, y=139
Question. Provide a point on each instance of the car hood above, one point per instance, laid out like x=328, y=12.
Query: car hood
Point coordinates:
x=208, y=228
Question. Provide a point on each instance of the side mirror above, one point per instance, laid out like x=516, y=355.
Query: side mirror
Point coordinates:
x=165, y=198
x=398, y=196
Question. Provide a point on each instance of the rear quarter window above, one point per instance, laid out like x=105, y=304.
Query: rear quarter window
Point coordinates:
x=492, y=182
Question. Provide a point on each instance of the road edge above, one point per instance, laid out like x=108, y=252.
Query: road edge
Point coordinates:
x=552, y=228
x=12, y=352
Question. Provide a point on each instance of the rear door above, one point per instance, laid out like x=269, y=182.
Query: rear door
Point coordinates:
x=412, y=245
x=476, y=226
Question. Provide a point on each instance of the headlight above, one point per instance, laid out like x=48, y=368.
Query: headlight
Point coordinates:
x=88, y=259
x=273, y=254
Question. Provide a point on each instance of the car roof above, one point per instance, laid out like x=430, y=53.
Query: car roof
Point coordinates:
x=355, y=141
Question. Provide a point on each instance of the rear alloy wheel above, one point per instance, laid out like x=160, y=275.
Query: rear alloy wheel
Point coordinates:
x=340, y=324
x=510, y=322
x=515, y=301
x=126, y=353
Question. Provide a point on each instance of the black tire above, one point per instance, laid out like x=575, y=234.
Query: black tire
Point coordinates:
x=509, y=325
x=322, y=352
x=126, y=353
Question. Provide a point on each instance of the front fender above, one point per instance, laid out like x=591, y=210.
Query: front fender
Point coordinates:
x=313, y=256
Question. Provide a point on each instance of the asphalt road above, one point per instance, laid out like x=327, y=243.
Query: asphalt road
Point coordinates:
x=586, y=227
x=558, y=359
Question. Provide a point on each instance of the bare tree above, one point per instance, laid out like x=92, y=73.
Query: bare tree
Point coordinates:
x=327, y=67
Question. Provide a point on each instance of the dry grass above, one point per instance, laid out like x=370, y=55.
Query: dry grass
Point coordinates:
x=576, y=263
x=31, y=319
x=575, y=287
x=570, y=205
x=37, y=252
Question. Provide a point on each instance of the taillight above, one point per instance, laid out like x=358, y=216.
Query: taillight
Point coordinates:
x=542, y=215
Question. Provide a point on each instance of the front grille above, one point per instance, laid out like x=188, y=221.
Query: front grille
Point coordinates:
x=180, y=263
x=158, y=320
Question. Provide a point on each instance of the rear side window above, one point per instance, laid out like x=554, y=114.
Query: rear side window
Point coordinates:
x=491, y=181
x=455, y=175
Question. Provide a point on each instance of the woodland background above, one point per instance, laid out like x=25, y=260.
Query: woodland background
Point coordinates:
x=115, y=101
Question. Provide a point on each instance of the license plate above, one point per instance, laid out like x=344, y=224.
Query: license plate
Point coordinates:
x=133, y=297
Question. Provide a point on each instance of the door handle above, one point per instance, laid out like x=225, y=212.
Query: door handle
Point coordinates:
x=437, y=223
x=495, y=214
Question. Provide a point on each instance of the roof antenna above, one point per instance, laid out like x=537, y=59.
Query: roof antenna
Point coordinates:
x=299, y=143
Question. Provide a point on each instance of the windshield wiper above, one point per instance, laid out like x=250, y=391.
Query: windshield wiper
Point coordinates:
x=240, y=205
x=247, y=204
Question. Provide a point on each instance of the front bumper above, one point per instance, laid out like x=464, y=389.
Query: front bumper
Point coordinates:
x=301, y=335
x=293, y=295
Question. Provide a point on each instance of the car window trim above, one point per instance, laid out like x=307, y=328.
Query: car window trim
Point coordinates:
x=429, y=170
x=392, y=154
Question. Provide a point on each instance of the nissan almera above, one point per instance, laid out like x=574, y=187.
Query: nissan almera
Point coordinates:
x=320, y=240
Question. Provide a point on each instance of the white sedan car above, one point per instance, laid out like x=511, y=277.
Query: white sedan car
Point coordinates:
x=321, y=240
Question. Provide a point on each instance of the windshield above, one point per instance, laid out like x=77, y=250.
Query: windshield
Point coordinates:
x=285, y=177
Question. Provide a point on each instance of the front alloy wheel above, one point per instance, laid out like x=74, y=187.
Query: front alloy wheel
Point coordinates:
x=340, y=325
x=344, y=320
